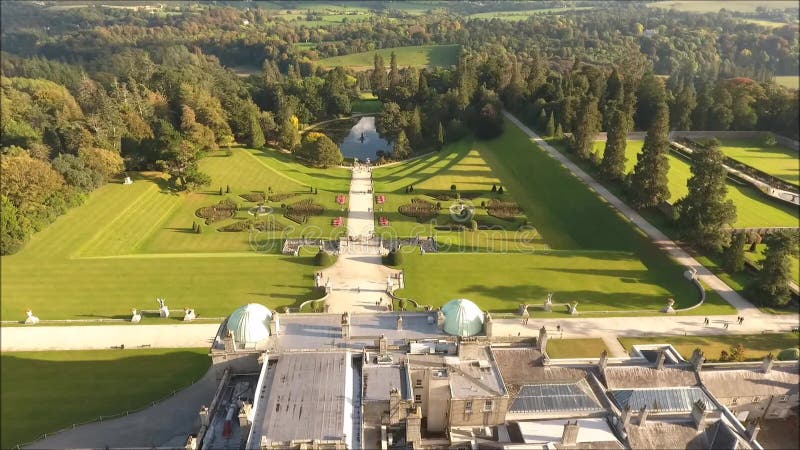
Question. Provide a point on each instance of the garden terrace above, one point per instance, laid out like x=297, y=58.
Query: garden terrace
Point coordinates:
x=420, y=209
x=756, y=346
x=225, y=209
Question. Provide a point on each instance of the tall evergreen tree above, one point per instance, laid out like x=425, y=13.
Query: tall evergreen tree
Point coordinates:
x=587, y=125
x=651, y=94
x=550, y=129
x=682, y=107
x=705, y=103
x=648, y=185
x=772, y=283
x=394, y=71
x=439, y=136
x=733, y=256
x=613, y=165
x=704, y=213
x=378, y=80
x=401, y=149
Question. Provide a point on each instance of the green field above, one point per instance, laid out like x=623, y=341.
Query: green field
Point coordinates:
x=575, y=348
x=753, y=208
x=418, y=56
x=43, y=392
x=601, y=261
x=524, y=14
x=714, y=6
x=789, y=81
x=128, y=245
x=758, y=256
x=756, y=345
x=780, y=162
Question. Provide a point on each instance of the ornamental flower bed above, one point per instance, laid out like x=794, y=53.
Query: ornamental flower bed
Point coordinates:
x=341, y=199
x=381, y=199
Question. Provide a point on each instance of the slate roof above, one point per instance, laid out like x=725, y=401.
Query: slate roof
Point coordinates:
x=622, y=377
x=751, y=382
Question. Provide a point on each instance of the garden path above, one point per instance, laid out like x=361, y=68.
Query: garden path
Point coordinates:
x=358, y=277
x=660, y=239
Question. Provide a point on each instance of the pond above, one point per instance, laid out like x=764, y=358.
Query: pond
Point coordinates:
x=357, y=137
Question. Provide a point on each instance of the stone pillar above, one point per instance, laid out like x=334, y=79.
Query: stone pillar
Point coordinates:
x=229, y=342
x=766, y=365
x=204, y=419
x=697, y=359
x=346, y=325
x=487, y=323
x=662, y=356
x=570, y=435
x=542, y=342
x=275, y=324
x=402, y=280
x=382, y=344
x=643, y=416
x=699, y=413
x=601, y=364
x=399, y=323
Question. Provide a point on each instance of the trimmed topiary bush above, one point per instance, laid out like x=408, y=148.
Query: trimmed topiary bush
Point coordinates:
x=789, y=354
x=323, y=258
x=394, y=258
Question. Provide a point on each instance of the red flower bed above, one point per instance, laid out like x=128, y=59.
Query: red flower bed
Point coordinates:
x=341, y=199
x=381, y=199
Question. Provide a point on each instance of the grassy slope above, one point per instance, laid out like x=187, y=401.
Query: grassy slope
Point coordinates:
x=575, y=348
x=422, y=55
x=625, y=271
x=43, y=392
x=524, y=14
x=756, y=345
x=753, y=208
x=716, y=5
x=777, y=161
x=130, y=244
x=790, y=81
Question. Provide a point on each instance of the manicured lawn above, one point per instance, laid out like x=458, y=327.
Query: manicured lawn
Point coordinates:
x=758, y=256
x=421, y=55
x=128, y=245
x=753, y=208
x=756, y=345
x=43, y=392
x=575, y=348
x=777, y=161
x=790, y=81
x=716, y=5
x=597, y=280
x=524, y=14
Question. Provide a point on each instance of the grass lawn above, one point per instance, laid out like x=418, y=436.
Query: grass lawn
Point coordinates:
x=367, y=105
x=758, y=256
x=753, y=208
x=715, y=5
x=43, y=392
x=421, y=55
x=575, y=348
x=128, y=245
x=777, y=161
x=789, y=81
x=756, y=345
x=597, y=280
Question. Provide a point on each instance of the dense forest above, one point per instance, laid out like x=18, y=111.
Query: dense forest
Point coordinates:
x=88, y=93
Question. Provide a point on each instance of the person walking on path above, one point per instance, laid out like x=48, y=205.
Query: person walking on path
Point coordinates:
x=705, y=322
x=726, y=325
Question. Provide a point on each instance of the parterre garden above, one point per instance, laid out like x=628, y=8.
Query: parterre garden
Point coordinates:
x=418, y=56
x=129, y=244
x=47, y=391
x=581, y=250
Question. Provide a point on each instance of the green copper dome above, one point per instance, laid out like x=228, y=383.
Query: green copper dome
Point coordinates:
x=462, y=318
x=249, y=324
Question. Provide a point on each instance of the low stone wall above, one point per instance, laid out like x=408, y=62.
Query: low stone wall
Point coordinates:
x=784, y=141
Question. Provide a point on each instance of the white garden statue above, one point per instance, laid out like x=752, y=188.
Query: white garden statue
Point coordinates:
x=136, y=316
x=31, y=319
x=127, y=180
x=189, y=315
x=163, y=311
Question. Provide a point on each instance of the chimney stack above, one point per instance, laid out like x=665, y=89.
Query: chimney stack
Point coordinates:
x=753, y=428
x=414, y=427
x=626, y=417
x=542, y=342
x=697, y=359
x=204, y=420
x=699, y=413
x=399, y=323
x=570, y=436
x=662, y=356
x=382, y=345
x=487, y=324
x=766, y=366
x=603, y=361
x=346, y=325
x=394, y=406
x=439, y=319
x=643, y=416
